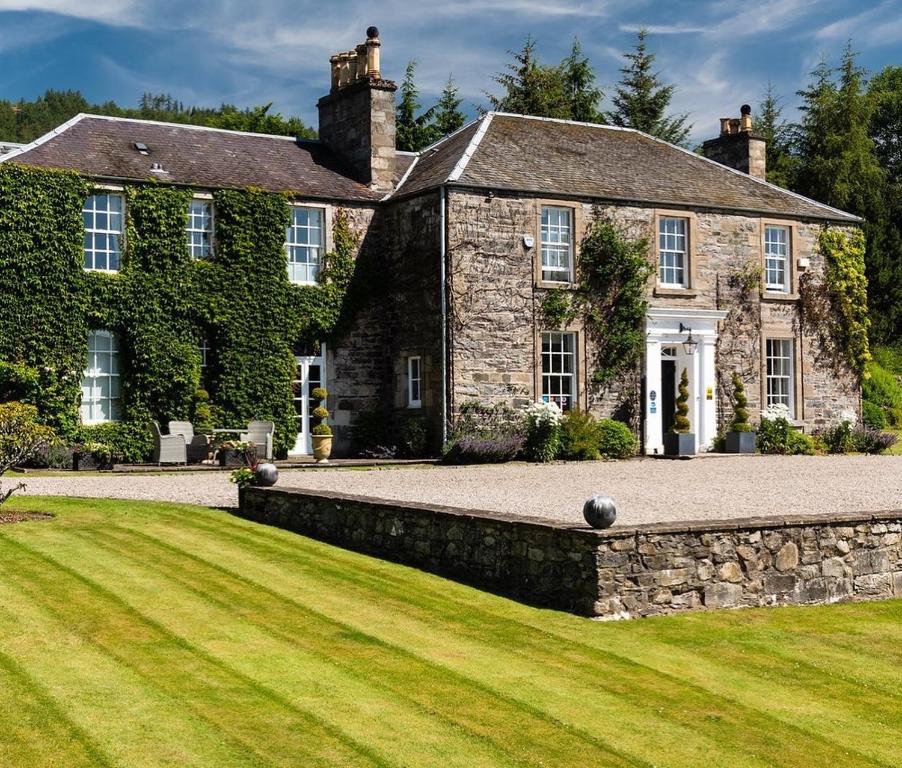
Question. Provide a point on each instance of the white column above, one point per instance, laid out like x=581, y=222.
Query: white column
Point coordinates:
x=708, y=380
x=653, y=424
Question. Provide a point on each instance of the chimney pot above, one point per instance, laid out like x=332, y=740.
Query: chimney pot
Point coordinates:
x=738, y=146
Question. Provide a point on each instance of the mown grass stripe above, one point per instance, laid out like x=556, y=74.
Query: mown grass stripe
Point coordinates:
x=483, y=707
x=642, y=693
x=145, y=642
x=33, y=722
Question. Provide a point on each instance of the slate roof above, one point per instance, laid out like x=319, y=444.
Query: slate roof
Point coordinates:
x=103, y=147
x=559, y=157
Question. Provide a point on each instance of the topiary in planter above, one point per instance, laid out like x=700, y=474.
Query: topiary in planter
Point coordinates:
x=680, y=441
x=321, y=434
x=741, y=437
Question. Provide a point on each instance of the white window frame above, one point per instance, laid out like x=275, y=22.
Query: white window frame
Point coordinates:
x=774, y=261
x=93, y=231
x=91, y=408
x=196, y=232
x=779, y=355
x=304, y=272
x=672, y=259
x=414, y=381
x=556, y=244
x=554, y=362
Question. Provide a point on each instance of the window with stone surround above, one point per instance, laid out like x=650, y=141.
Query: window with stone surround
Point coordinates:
x=780, y=361
x=304, y=241
x=100, y=382
x=673, y=251
x=200, y=228
x=559, y=368
x=103, y=216
x=414, y=382
x=557, y=244
x=777, y=258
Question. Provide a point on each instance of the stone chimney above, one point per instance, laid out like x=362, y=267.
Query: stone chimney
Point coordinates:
x=738, y=146
x=357, y=118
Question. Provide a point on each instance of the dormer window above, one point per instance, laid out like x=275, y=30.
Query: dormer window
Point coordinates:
x=200, y=228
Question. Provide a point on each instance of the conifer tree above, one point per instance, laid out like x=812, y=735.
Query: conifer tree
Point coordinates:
x=777, y=132
x=641, y=100
x=581, y=93
x=448, y=116
x=530, y=87
x=412, y=129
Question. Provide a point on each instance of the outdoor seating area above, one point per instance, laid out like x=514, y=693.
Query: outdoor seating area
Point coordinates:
x=225, y=446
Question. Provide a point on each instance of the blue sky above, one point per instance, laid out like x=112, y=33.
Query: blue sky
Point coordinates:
x=720, y=53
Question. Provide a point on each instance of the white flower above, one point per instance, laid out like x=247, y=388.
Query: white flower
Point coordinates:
x=775, y=412
x=849, y=417
x=544, y=413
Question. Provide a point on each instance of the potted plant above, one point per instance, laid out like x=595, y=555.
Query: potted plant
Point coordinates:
x=88, y=456
x=234, y=453
x=680, y=441
x=741, y=436
x=322, y=432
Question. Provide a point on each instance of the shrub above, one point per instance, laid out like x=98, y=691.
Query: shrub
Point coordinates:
x=543, y=431
x=616, y=440
x=838, y=438
x=740, y=406
x=872, y=415
x=21, y=437
x=414, y=437
x=18, y=382
x=778, y=436
x=483, y=450
x=485, y=434
x=203, y=420
x=681, y=417
x=371, y=435
x=883, y=389
x=321, y=412
x=865, y=439
x=580, y=436
x=128, y=442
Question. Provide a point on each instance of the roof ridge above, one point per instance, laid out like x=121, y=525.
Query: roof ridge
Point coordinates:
x=471, y=148
x=401, y=181
x=744, y=175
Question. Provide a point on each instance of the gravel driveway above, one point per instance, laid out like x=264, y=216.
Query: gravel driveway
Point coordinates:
x=646, y=490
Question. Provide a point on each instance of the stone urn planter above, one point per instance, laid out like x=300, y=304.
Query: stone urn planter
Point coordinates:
x=679, y=444
x=322, y=448
x=740, y=442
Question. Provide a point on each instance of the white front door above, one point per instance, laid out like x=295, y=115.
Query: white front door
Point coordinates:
x=310, y=374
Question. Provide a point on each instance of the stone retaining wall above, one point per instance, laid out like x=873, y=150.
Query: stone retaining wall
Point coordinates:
x=618, y=573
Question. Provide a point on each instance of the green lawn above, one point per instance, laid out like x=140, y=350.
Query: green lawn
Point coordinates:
x=150, y=634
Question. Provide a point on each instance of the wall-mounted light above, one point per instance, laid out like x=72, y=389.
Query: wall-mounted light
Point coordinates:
x=690, y=345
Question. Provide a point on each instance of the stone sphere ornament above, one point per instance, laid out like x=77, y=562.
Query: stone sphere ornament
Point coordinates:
x=266, y=475
x=600, y=511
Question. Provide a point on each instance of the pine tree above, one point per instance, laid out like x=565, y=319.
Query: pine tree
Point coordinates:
x=581, y=94
x=884, y=261
x=412, y=131
x=778, y=134
x=530, y=88
x=641, y=100
x=448, y=116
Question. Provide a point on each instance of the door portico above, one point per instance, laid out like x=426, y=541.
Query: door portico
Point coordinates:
x=664, y=342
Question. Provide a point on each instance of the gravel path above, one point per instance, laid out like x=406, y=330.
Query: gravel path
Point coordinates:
x=645, y=490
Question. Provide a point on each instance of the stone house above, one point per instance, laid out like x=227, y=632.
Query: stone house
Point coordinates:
x=469, y=236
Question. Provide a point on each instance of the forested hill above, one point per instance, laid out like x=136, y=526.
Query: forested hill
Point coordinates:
x=23, y=121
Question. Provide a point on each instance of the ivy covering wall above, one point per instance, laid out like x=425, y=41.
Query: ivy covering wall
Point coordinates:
x=160, y=305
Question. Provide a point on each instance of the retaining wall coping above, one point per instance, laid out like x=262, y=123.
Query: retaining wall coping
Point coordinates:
x=675, y=527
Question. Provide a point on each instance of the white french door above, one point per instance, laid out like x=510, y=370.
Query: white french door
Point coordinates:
x=310, y=374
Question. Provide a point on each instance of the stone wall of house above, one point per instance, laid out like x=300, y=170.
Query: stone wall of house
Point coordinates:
x=496, y=316
x=412, y=291
x=357, y=372
x=616, y=573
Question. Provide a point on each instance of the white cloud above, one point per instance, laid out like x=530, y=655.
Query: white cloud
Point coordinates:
x=881, y=25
